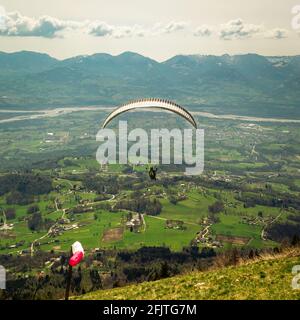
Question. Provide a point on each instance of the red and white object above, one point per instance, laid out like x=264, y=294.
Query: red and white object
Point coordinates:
x=78, y=254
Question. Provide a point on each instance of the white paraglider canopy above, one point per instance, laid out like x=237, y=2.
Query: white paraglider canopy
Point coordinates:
x=152, y=103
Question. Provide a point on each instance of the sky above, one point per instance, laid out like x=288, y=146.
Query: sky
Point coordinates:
x=158, y=29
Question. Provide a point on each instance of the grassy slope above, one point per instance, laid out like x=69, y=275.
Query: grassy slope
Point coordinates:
x=268, y=278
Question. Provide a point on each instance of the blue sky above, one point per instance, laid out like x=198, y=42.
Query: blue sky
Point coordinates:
x=157, y=28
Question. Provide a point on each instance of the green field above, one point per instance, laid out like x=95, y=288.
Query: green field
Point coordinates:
x=157, y=235
x=190, y=210
x=90, y=232
x=69, y=154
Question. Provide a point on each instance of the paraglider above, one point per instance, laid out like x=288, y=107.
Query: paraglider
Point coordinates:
x=76, y=258
x=115, y=149
x=152, y=103
x=77, y=254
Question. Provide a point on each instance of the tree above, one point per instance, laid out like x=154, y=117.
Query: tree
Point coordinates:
x=10, y=213
x=234, y=255
x=173, y=200
x=217, y=207
x=95, y=279
x=295, y=240
x=127, y=169
x=35, y=223
x=16, y=197
x=33, y=209
x=164, y=270
x=207, y=252
x=25, y=183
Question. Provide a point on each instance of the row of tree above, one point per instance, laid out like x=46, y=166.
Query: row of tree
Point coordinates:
x=141, y=205
x=25, y=184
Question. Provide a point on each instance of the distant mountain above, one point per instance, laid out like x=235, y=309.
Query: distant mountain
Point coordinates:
x=25, y=62
x=244, y=84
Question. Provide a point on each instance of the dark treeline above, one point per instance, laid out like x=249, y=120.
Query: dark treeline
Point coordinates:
x=258, y=196
x=111, y=184
x=109, y=268
x=141, y=205
x=294, y=218
x=103, y=184
x=101, y=270
x=36, y=222
x=280, y=232
x=285, y=201
x=25, y=184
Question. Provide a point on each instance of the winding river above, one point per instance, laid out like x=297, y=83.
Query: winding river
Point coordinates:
x=45, y=113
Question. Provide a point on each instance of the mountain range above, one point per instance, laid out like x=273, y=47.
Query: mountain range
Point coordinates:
x=247, y=84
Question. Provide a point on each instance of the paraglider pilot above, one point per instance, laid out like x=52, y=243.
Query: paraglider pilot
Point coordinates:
x=152, y=173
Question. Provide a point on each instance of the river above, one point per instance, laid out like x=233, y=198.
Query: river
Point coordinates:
x=45, y=113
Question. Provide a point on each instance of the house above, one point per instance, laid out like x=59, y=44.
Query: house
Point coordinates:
x=135, y=223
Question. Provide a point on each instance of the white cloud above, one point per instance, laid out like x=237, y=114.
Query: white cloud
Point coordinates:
x=173, y=27
x=15, y=24
x=237, y=29
x=203, y=31
x=276, y=34
x=102, y=29
x=2, y=16
x=2, y=11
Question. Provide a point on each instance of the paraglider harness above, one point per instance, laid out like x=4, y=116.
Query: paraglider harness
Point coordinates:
x=152, y=173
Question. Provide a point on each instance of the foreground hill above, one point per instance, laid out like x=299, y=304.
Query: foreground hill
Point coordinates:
x=269, y=278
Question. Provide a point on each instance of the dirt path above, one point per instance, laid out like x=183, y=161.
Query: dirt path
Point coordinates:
x=4, y=227
x=144, y=222
x=253, y=151
x=112, y=198
x=50, y=229
x=56, y=205
x=206, y=231
x=4, y=218
x=41, y=238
